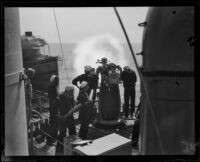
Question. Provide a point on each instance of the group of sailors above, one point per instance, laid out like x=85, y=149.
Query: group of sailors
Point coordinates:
x=63, y=105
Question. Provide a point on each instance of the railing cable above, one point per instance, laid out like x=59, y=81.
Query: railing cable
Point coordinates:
x=142, y=81
x=61, y=45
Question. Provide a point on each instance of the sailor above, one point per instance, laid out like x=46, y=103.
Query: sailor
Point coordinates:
x=83, y=77
x=90, y=77
x=52, y=94
x=85, y=110
x=29, y=74
x=129, y=79
x=103, y=70
x=53, y=89
x=65, y=103
x=113, y=75
x=93, y=80
x=136, y=128
x=84, y=107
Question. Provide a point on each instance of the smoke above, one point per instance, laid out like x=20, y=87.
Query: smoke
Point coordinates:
x=89, y=50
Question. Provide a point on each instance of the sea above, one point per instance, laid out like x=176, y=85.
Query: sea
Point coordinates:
x=73, y=62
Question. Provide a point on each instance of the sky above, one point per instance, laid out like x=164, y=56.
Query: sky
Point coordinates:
x=78, y=23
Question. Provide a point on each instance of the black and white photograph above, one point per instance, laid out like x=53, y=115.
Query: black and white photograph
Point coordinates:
x=99, y=81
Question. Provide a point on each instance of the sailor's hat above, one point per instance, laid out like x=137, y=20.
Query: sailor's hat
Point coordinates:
x=87, y=68
x=126, y=68
x=52, y=78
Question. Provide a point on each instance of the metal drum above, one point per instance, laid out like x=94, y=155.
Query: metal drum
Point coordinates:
x=109, y=103
x=167, y=126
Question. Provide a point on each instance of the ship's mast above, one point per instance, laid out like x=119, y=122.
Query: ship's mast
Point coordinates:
x=16, y=142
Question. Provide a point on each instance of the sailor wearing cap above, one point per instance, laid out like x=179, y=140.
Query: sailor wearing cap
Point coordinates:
x=52, y=94
x=53, y=88
x=69, y=91
x=64, y=104
x=85, y=110
x=129, y=79
x=113, y=75
x=87, y=68
x=126, y=68
x=84, y=107
x=83, y=77
x=29, y=73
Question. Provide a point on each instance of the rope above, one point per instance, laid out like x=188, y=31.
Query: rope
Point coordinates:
x=142, y=81
x=61, y=45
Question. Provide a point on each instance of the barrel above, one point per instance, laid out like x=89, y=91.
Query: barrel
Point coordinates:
x=109, y=103
x=167, y=125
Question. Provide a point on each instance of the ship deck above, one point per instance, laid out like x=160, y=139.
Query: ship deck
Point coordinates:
x=37, y=140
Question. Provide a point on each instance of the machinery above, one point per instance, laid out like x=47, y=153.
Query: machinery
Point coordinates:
x=167, y=121
x=36, y=58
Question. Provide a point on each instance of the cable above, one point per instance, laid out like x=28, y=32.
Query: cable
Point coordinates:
x=142, y=81
x=61, y=44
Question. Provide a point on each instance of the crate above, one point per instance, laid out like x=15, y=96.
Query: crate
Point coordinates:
x=112, y=144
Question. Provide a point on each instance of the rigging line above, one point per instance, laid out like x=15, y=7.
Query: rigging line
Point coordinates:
x=142, y=81
x=61, y=45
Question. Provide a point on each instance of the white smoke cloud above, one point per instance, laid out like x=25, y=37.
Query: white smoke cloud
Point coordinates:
x=89, y=50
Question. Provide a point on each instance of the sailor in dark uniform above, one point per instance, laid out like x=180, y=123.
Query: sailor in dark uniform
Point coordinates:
x=83, y=77
x=52, y=94
x=84, y=106
x=29, y=74
x=129, y=79
x=53, y=89
x=85, y=111
x=63, y=104
x=90, y=77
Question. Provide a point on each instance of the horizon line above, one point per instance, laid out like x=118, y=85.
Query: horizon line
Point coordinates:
x=79, y=42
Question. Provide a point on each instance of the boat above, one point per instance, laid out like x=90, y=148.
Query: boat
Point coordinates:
x=167, y=88
x=44, y=64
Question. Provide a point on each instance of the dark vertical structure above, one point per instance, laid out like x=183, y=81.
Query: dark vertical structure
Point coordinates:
x=109, y=103
x=16, y=142
x=168, y=71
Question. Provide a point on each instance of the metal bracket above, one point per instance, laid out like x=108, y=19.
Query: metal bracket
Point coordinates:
x=143, y=24
x=140, y=53
x=14, y=78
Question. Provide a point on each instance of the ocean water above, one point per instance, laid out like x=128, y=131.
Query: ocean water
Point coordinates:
x=72, y=71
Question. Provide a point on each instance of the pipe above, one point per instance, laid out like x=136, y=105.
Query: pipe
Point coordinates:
x=16, y=142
